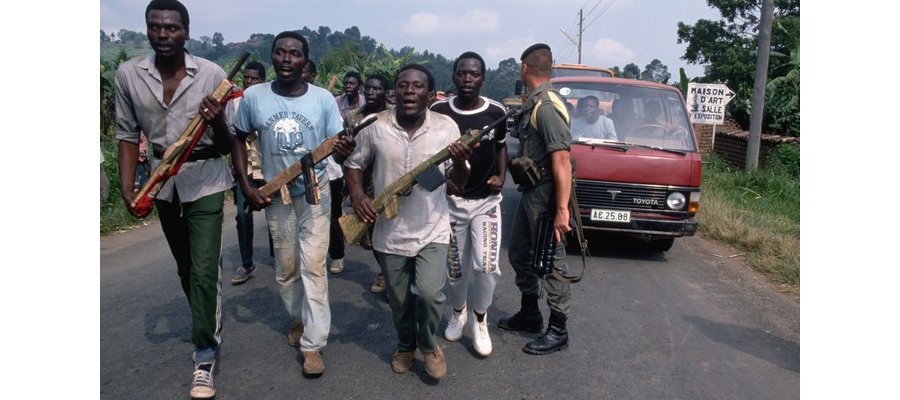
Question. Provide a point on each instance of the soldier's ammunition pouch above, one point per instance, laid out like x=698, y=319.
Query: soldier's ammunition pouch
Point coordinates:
x=525, y=172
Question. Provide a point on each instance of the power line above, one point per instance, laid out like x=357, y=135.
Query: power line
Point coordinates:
x=581, y=27
x=602, y=11
x=592, y=8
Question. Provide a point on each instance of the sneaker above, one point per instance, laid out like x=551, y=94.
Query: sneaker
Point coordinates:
x=436, y=363
x=402, y=361
x=313, y=365
x=454, y=329
x=480, y=337
x=295, y=333
x=243, y=275
x=379, y=285
x=202, y=387
x=337, y=266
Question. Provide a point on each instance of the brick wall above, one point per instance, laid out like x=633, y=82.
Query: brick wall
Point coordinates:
x=731, y=143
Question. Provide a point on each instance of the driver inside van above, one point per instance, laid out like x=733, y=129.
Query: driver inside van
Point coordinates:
x=590, y=123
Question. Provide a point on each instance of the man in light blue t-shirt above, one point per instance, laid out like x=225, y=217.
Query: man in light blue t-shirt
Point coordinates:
x=293, y=117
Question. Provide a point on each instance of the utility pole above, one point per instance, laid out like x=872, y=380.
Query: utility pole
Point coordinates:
x=580, y=31
x=757, y=102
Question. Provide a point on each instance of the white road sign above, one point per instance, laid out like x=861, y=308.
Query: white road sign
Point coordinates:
x=706, y=102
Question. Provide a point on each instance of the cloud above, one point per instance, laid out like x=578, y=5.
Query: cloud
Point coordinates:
x=608, y=52
x=447, y=24
x=422, y=24
x=513, y=47
x=480, y=21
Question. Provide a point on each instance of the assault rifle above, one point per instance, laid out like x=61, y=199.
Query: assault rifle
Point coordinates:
x=388, y=200
x=177, y=153
x=306, y=165
x=545, y=245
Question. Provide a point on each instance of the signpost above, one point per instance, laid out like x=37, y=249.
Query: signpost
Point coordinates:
x=706, y=103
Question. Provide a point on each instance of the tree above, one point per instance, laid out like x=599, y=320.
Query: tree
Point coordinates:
x=132, y=37
x=205, y=41
x=631, y=71
x=656, y=71
x=103, y=37
x=727, y=47
x=616, y=71
x=218, y=41
x=783, y=94
x=500, y=83
x=108, y=92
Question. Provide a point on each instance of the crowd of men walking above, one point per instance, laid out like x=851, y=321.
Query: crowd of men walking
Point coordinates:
x=449, y=235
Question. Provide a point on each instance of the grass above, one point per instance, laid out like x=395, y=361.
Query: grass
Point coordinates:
x=113, y=214
x=757, y=213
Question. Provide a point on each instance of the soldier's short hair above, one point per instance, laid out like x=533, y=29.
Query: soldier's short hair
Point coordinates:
x=538, y=58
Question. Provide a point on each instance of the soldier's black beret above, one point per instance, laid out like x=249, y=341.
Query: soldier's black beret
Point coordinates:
x=536, y=46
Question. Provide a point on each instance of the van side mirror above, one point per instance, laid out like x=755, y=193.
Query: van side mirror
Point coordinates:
x=519, y=87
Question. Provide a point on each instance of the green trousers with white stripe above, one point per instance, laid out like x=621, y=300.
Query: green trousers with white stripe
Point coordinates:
x=194, y=232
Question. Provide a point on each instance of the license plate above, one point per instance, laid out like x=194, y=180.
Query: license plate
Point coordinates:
x=610, y=215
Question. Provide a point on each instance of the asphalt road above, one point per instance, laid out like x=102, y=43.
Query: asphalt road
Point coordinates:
x=690, y=323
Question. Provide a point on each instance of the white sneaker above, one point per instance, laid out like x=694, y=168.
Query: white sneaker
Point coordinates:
x=455, y=326
x=481, y=338
x=203, y=387
x=337, y=266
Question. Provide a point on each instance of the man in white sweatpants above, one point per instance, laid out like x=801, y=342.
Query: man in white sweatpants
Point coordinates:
x=473, y=259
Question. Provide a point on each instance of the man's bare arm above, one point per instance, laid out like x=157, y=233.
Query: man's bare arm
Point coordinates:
x=561, y=168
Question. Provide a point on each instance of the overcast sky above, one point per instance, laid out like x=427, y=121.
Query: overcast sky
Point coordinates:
x=617, y=32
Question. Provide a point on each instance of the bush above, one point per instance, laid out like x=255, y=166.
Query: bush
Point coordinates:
x=786, y=157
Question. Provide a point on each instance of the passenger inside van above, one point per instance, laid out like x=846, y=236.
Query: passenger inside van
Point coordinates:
x=589, y=123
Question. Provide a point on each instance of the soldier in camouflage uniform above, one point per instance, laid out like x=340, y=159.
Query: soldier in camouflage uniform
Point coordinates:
x=543, y=129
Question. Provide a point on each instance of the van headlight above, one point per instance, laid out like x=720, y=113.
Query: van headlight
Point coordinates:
x=675, y=201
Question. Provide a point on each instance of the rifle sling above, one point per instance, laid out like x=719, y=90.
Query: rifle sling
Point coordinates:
x=579, y=231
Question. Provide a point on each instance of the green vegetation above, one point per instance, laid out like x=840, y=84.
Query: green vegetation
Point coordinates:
x=727, y=50
x=113, y=214
x=758, y=213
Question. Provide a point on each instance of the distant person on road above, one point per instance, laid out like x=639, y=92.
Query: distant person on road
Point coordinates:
x=335, y=173
x=292, y=118
x=143, y=164
x=590, y=123
x=473, y=263
x=351, y=99
x=309, y=73
x=254, y=73
x=375, y=91
x=544, y=131
x=412, y=247
x=161, y=93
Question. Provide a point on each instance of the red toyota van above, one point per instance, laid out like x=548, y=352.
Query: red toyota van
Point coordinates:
x=644, y=181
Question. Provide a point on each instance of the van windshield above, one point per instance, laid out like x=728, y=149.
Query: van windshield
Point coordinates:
x=628, y=114
x=563, y=72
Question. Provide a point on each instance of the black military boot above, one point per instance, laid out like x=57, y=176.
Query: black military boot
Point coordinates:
x=528, y=319
x=555, y=338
